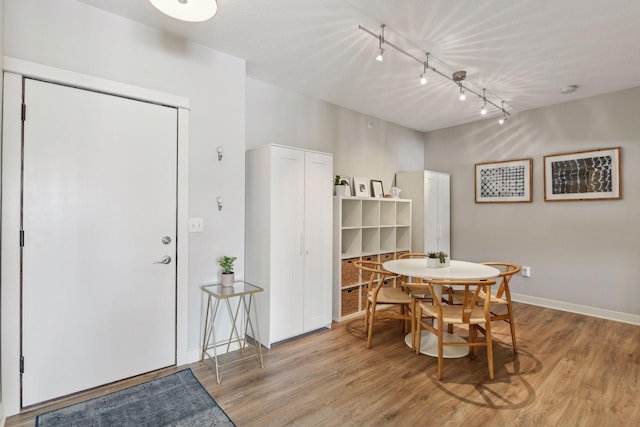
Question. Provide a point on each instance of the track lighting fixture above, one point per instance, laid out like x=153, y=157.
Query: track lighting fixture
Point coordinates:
x=504, y=115
x=456, y=78
x=463, y=95
x=380, y=58
x=483, y=110
x=423, y=76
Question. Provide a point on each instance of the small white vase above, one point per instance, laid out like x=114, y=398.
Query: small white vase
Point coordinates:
x=343, y=190
x=435, y=262
x=227, y=279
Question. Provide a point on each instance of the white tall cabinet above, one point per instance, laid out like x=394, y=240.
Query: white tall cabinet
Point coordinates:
x=288, y=249
x=431, y=213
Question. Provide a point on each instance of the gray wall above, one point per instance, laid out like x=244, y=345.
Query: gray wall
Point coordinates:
x=363, y=146
x=584, y=255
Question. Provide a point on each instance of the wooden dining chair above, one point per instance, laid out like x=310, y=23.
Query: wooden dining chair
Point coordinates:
x=379, y=295
x=502, y=298
x=415, y=297
x=468, y=312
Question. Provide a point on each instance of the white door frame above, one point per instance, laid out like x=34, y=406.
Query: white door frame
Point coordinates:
x=15, y=70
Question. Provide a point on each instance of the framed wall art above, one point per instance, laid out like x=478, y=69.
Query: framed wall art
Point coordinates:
x=583, y=175
x=361, y=187
x=376, y=188
x=507, y=181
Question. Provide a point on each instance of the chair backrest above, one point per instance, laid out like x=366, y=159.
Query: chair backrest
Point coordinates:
x=410, y=255
x=472, y=291
x=507, y=270
x=375, y=270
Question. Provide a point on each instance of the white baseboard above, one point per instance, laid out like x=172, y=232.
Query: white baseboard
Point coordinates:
x=633, y=319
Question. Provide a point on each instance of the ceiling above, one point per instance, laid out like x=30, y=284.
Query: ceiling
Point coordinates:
x=523, y=52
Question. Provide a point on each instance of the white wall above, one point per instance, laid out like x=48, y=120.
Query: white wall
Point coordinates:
x=1, y=87
x=276, y=115
x=73, y=36
x=584, y=255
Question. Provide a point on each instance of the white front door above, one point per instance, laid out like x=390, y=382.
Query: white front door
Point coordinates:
x=99, y=196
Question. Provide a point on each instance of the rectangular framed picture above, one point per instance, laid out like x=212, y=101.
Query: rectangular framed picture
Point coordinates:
x=583, y=175
x=361, y=187
x=507, y=181
x=376, y=188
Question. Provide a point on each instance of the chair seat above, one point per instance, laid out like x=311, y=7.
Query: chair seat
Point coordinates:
x=391, y=296
x=481, y=296
x=452, y=314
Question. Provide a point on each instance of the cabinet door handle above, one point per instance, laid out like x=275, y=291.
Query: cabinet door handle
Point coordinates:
x=306, y=242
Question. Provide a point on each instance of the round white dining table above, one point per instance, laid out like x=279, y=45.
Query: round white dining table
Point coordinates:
x=457, y=270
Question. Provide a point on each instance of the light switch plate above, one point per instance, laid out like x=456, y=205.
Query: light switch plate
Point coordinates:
x=526, y=271
x=196, y=225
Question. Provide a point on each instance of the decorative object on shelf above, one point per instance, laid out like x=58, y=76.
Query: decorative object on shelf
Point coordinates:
x=187, y=10
x=220, y=150
x=226, y=263
x=506, y=181
x=395, y=192
x=437, y=259
x=376, y=188
x=361, y=187
x=220, y=201
x=341, y=186
x=583, y=175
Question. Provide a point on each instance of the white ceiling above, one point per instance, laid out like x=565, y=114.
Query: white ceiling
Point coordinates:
x=521, y=51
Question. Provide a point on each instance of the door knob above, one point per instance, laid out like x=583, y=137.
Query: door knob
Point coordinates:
x=165, y=260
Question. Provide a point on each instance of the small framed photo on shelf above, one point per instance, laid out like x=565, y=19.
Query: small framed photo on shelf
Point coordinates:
x=507, y=181
x=582, y=175
x=376, y=188
x=361, y=187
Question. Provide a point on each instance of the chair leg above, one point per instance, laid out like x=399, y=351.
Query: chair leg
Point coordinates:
x=440, y=352
x=512, y=325
x=489, y=342
x=371, y=321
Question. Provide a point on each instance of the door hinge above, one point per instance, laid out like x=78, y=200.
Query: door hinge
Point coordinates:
x=22, y=364
x=23, y=113
x=21, y=238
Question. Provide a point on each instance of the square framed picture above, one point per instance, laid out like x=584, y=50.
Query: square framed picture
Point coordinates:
x=583, y=175
x=507, y=181
x=361, y=187
x=376, y=188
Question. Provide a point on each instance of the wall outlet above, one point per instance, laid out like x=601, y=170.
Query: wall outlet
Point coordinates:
x=526, y=271
x=196, y=225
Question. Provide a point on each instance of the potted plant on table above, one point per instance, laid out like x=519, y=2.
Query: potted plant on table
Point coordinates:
x=341, y=186
x=226, y=263
x=437, y=259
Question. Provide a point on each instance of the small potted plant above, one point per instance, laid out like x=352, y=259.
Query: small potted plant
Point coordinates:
x=226, y=263
x=437, y=259
x=341, y=186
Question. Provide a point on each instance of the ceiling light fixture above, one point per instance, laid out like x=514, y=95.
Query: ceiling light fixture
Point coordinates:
x=379, y=58
x=483, y=110
x=423, y=76
x=504, y=116
x=187, y=10
x=457, y=77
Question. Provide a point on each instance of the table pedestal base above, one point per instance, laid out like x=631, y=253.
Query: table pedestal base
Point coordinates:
x=429, y=345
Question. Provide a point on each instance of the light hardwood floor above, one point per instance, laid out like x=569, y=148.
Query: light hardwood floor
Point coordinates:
x=571, y=370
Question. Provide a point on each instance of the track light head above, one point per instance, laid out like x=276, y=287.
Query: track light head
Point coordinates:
x=483, y=110
x=502, y=120
x=463, y=96
x=380, y=58
x=423, y=79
